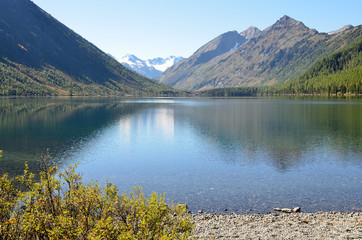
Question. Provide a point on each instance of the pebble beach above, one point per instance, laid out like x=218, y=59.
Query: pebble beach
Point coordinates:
x=320, y=225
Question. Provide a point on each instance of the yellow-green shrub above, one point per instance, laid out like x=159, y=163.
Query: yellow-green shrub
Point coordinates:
x=61, y=206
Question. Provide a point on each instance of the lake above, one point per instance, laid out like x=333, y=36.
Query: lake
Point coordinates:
x=247, y=155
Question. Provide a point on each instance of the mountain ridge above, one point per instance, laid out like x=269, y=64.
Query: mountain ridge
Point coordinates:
x=40, y=55
x=344, y=28
x=279, y=53
x=224, y=43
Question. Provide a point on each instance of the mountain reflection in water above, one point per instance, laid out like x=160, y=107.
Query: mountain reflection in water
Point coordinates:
x=240, y=154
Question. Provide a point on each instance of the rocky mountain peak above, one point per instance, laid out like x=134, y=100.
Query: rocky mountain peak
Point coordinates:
x=286, y=18
x=225, y=42
x=132, y=57
x=287, y=23
x=250, y=32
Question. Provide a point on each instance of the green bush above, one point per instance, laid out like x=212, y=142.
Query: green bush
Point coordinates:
x=61, y=206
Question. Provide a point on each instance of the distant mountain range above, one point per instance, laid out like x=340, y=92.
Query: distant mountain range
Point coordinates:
x=282, y=52
x=41, y=56
x=151, y=68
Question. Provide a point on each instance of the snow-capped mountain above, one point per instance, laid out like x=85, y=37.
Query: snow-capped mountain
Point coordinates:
x=151, y=68
x=161, y=64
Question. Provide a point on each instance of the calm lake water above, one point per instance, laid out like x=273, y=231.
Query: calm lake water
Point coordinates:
x=244, y=154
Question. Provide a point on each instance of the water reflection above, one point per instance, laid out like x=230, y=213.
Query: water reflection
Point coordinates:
x=238, y=154
x=284, y=129
x=30, y=126
x=161, y=119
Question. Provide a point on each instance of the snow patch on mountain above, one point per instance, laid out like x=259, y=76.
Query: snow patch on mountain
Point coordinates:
x=151, y=68
x=132, y=61
x=161, y=64
x=235, y=47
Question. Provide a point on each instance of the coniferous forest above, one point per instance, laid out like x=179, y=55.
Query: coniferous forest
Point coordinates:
x=338, y=73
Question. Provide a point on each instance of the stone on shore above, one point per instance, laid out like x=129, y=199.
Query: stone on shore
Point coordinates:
x=296, y=209
x=286, y=210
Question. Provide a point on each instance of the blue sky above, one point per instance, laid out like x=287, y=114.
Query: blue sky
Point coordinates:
x=160, y=28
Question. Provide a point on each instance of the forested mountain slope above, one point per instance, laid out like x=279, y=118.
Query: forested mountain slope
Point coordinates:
x=41, y=56
x=340, y=72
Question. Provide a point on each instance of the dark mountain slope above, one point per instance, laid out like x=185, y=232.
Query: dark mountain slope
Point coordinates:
x=39, y=55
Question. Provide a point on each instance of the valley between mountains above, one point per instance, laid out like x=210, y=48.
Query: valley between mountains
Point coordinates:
x=41, y=56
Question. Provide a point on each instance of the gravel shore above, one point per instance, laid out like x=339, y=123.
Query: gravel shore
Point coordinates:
x=320, y=225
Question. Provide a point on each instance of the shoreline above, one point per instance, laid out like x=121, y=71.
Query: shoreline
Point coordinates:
x=318, y=225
